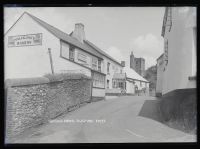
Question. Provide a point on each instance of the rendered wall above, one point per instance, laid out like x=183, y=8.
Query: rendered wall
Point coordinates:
x=28, y=61
x=160, y=71
x=110, y=75
x=181, y=49
x=34, y=61
x=130, y=87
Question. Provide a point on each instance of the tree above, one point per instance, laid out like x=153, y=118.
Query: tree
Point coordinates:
x=151, y=76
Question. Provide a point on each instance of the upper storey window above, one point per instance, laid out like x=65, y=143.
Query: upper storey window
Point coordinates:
x=166, y=52
x=94, y=63
x=169, y=19
x=99, y=65
x=71, y=53
x=82, y=58
x=108, y=68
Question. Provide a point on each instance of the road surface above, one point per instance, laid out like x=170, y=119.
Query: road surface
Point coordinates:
x=114, y=120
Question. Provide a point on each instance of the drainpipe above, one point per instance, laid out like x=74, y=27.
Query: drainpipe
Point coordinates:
x=51, y=61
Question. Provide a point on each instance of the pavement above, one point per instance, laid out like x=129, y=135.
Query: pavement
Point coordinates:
x=128, y=119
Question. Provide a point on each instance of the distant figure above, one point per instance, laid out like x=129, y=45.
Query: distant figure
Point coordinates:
x=123, y=92
x=136, y=90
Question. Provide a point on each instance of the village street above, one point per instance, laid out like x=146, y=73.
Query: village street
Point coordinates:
x=120, y=119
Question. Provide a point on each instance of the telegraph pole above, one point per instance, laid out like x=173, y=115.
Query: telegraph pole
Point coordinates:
x=51, y=62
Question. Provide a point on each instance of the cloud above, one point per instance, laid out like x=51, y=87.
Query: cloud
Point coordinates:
x=147, y=46
x=115, y=53
x=57, y=18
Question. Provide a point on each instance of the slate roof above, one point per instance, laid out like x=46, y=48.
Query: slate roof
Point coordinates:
x=164, y=22
x=130, y=73
x=160, y=56
x=65, y=37
x=119, y=76
x=86, y=46
x=100, y=51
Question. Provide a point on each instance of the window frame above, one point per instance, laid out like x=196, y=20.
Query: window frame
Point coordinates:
x=99, y=65
x=71, y=50
x=166, y=53
x=108, y=67
x=107, y=83
x=80, y=59
x=94, y=63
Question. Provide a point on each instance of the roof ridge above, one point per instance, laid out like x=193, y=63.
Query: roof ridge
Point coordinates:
x=102, y=51
x=34, y=17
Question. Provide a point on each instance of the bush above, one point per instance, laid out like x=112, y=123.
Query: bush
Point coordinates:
x=65, y=76
x=25, y=81
x=54, y=77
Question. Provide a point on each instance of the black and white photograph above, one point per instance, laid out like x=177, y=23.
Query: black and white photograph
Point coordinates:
x=100, y=74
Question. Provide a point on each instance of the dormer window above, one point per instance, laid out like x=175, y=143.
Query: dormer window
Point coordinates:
x=99, y=65
x=108, y=68
x=71, y=53
x=166, y=53
x=169, y=18
x=94, y=63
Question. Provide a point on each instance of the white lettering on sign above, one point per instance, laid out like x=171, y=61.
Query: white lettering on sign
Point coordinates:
x=25, y=40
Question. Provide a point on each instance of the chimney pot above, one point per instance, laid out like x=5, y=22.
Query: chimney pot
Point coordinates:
x=79, y=32
x=123, y=63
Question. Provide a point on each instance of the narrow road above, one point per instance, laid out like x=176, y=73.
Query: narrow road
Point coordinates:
x=124, y=119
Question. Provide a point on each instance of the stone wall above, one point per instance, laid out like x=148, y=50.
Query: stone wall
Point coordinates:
x=179, y=109
x=29, y=102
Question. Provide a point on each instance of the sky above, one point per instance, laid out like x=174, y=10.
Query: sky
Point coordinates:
x=116, y=30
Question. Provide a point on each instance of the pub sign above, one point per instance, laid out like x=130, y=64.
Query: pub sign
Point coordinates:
x=25, y=40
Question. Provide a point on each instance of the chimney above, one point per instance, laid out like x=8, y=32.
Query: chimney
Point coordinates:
x=78, y=32
x=132, y=61
x=131, y=52
x=123, y=63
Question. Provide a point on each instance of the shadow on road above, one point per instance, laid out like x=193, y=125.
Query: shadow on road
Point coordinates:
x=150, y=109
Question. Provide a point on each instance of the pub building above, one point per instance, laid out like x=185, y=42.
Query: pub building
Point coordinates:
x=34, y=48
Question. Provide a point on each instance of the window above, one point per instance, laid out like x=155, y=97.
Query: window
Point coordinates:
x=140, y=83
x=98, y=80
x=113, y=83
x=82, y=58
x=116, y=69
x=94, y=63
x=113, y=67
x=108, y=68
x=169, y=18
x=71, y=53
x=65, y=50
x=194, y=52
x=121, y=84
x=107, y=83
x=166, y=52
x=99, y=65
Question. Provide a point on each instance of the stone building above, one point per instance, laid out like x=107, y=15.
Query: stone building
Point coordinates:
x=138, y=64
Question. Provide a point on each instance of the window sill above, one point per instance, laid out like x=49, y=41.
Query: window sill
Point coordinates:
x=192, y=78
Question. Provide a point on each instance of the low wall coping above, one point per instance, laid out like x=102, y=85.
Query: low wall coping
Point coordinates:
x=42, y=80
x=25, y=81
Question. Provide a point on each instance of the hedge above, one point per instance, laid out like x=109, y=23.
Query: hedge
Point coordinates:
x=25, y=81
x=65, y=76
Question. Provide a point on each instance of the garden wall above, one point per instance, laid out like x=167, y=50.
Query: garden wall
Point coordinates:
x=179, y=109
x=33, y=101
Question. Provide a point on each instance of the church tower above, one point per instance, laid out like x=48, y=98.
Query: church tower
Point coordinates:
x=132, y=61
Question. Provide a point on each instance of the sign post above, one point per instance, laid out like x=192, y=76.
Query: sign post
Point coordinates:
x=51, y=62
